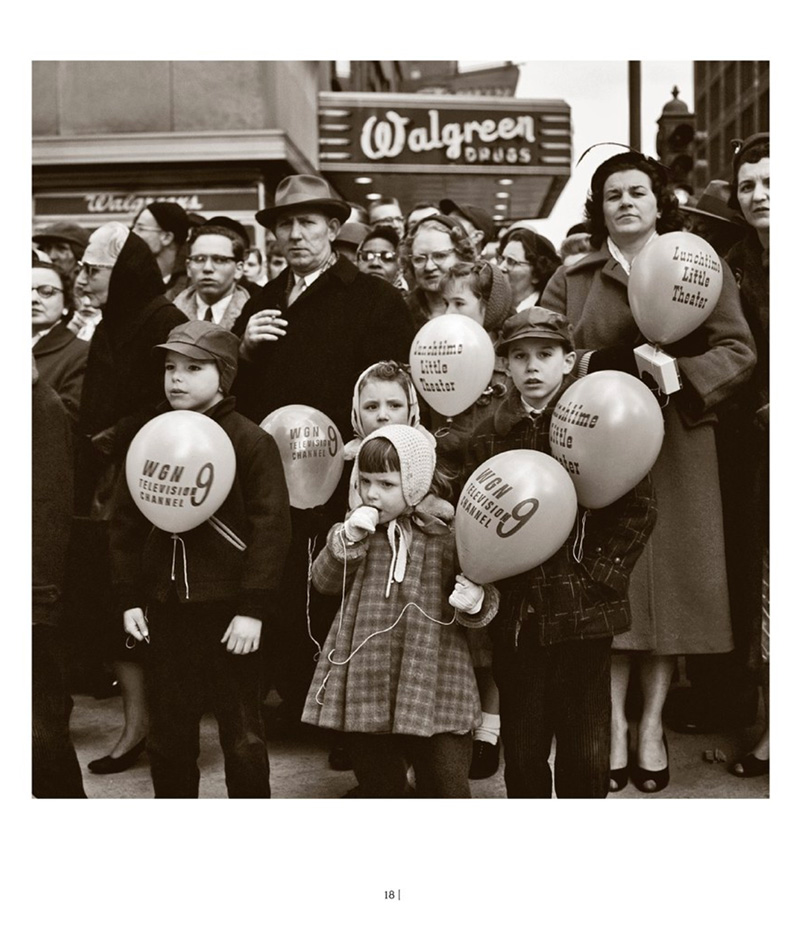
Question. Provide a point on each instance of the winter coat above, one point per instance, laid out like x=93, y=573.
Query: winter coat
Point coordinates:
x=235, y=556
x=187, y=301
x=61, y=360
x=343, y=322
x=678, y=591
x=124, y=380
x=565, y=598
x=417, y=678
x=51, y=487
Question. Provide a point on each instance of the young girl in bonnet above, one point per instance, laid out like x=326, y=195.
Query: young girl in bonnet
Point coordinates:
x=395, y=673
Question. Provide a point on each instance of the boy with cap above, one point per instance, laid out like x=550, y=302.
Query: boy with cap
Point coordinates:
x=552, y=635
x=200, y=598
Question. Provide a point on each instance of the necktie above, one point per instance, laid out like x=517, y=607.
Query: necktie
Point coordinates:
x=208, y=315
x=299, y=287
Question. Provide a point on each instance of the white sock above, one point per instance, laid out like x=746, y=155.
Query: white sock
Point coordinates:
x=489, y=729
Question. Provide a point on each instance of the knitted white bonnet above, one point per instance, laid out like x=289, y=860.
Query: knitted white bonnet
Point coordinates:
x=417, y=459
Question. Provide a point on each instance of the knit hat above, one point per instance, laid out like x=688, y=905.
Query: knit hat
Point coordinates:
x=411, y=393
x=535, y=323
x=499, y=305
x=417, y=459
x=201, y=339
x=172, y=218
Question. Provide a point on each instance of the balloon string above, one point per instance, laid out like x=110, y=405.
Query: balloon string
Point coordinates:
x=577, y=547
x=341, y=663
x=311, y=545
x=175, y=539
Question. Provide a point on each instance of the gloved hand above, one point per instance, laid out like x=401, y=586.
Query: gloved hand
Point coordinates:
x=361, y=522
x=620, y=358
x=467, y=596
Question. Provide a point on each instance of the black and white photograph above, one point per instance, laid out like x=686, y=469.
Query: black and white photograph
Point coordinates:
x=400, y=432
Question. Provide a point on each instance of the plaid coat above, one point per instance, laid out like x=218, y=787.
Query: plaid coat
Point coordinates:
x=415, y=679
x=563, y=597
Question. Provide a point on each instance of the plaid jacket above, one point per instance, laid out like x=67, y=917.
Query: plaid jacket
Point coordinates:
x=416, y=678
x=567, y=599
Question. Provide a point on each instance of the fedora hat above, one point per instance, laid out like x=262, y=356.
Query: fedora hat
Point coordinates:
x=713, y=203
x=303, y=192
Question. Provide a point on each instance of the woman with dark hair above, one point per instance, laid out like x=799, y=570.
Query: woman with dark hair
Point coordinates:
x=678, y=589
x=59, y=355
x=436, y=244
x=528, y=261
x=123, y=384
x=746, y=433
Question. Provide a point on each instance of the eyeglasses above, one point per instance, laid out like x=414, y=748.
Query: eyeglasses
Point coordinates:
x=92, y=269
x=47, y=291
x=137, y=228
x=385, y=256
x=513, y=263
x=217, y=261
x=438, y=258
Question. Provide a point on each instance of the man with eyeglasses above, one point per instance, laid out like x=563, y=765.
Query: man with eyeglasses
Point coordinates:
x=215, y=265
x=386, y=212
x=307, y=336
x=378, y=255
x=164, y=226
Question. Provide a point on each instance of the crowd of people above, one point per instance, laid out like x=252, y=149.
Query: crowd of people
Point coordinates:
x=356, y=612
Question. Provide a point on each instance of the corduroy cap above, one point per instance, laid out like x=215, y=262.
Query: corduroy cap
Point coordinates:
x=477, y=216
x=417, y=459
x=65, y=232
x=536, y=323
x=304, y=192
x=201, y=339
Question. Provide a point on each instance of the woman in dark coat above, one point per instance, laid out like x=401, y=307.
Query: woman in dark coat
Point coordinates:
x=748, y=435
x=123, y=383
x=678, y=590
x=60, y=357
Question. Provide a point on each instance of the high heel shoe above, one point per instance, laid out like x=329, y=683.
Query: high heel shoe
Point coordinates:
x=659, y=778
x=109, y=764
x=751, y=765
x=618, y=777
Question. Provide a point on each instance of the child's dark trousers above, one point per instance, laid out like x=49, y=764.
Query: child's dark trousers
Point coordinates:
x=563, y=690
x=190, y=672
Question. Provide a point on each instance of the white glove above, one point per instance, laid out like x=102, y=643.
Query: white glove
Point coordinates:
x=361, y=522
x=467, y=596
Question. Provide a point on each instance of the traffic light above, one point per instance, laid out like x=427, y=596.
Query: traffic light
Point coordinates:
x=675, y=142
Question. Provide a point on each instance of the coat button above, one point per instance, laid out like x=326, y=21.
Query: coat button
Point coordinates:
x=617, y=560
x=598, y=549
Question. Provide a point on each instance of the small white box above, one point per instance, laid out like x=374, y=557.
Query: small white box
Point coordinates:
x=660, y=365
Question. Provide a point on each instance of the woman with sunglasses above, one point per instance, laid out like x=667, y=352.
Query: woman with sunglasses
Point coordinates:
x=678, y=592
x=122, y=385
x=528, y=261
x=436, y=244
x=59, y=355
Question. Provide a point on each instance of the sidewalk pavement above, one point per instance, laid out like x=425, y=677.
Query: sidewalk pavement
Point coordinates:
x=300, y=770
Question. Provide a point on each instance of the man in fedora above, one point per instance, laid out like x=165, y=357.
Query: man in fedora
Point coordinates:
x=306, y=337
x=64, y=243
